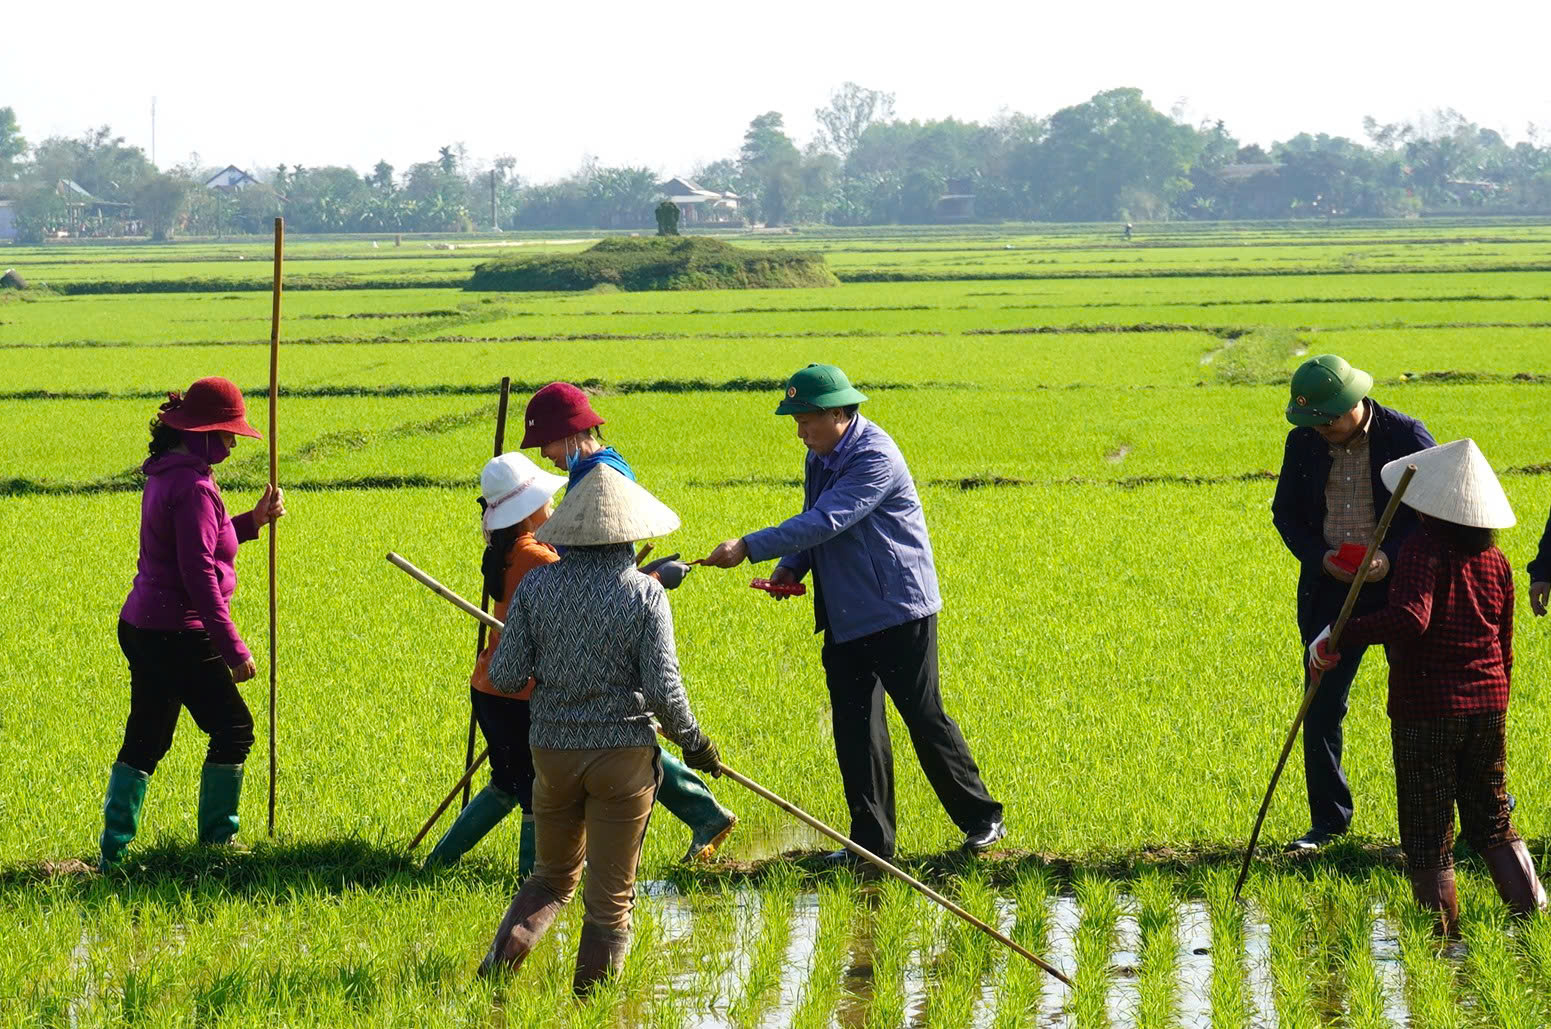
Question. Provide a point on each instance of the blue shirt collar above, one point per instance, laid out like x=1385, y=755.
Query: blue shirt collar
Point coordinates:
x=832, y=460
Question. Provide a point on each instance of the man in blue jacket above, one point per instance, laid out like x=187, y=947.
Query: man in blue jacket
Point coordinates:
x=1330, y=493
x=862, y=535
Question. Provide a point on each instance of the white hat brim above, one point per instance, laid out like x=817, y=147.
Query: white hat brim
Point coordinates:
x=538, y=492
x=605, y=508
x=1453, y=483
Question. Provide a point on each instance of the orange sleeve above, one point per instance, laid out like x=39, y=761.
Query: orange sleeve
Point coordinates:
x=527, y=555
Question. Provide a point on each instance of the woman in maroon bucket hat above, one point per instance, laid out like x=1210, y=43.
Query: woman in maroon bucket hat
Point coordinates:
x=176, y=627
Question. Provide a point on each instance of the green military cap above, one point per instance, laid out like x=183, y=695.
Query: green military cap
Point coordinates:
x=1324, y=388
x=818, y=387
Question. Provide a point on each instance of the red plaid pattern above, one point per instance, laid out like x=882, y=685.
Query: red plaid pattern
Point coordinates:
x=1441, y=762
x=1447, y=630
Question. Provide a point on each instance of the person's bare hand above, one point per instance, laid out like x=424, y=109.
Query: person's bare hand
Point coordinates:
x=1539, y=597
x=729, y=554
x=244, y=671
x=270, y=506
x=782, y=576
x=1334, y=570
x=1378, y=568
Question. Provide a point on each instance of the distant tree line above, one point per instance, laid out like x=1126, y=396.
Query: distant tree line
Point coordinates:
x=1112, y=157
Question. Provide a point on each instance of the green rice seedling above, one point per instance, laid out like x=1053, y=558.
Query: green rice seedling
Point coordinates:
x=1098, y=900
x=1432, y=986
x=894, y=927
x=714, y=936
x=767, y=956
x=962, y=956
x=825, y=980
x=1282, y=900
x=1023, y=983
x=1229, y=989
x=1534, y=940
x=1158, y=955
x=1365, y=1002
x=1494, y=974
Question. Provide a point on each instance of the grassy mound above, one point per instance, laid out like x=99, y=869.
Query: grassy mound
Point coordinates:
x=675, y=262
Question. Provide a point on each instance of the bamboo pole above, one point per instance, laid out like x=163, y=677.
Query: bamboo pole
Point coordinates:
x=442, y=591
x=274, y=479
x=904, y=877
x=1337, y=628
x=484, y=595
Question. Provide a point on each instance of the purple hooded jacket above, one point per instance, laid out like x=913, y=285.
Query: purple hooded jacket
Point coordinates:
x=187, y=548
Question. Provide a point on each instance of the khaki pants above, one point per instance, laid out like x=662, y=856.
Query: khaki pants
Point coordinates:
x=593, y=805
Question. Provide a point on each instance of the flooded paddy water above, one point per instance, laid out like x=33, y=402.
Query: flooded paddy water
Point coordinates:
x=1211, y=978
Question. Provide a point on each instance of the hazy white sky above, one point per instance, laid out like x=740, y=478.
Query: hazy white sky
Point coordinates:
x=670, y=85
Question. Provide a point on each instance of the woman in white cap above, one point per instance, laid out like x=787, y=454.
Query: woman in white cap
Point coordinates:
x=1448, y=632
x=516, y=496
x=597, y=638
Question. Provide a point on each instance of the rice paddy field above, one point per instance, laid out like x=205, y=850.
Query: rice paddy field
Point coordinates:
x=1095, y=428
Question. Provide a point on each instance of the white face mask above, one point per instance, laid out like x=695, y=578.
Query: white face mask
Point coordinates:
x=572, y=455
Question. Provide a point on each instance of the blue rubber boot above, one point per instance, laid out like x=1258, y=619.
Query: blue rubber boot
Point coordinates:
x=220, y=788
x=689, y=799
x=121, y=812
x=483, y=813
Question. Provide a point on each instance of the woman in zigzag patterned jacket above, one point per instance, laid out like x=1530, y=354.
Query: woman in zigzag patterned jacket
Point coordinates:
x=596, y=638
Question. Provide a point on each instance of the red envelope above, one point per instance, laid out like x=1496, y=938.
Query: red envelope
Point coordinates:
x=1350, y=556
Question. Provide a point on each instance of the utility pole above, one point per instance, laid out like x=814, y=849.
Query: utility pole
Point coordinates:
x=153, y=132
x=495, y=225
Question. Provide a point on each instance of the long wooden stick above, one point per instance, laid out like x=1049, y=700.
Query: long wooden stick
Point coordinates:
x=1338, y=627
x=445, y=593
x=274, y=478
x=484, y=594
x=462, y=783
x=904, y=877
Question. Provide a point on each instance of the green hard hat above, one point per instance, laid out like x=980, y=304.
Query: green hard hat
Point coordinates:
x=818, y=387
x=1324, y=388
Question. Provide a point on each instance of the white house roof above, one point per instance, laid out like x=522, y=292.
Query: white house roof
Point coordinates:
x=231, y=175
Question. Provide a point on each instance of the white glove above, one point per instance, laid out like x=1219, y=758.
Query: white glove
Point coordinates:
x=1321, y=657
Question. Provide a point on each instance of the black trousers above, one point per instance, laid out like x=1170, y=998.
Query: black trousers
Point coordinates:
x=169, y=671
x=902, y=663
x=504, y=722
x=1330, y=796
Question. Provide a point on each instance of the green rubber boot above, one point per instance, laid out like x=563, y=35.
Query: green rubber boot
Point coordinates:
x=484, y=812
x=688, y=798
x=525, y=848
x=121, y=812
x=220, y=787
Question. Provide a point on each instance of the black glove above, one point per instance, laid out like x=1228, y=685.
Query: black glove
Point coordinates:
x=707, y=759
x=670, y=571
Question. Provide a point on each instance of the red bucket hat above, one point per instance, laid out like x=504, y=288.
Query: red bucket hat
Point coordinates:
x=555, y=412
x=213, y=404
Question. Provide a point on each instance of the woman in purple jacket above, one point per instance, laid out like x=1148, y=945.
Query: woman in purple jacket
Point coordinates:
x=176, y=627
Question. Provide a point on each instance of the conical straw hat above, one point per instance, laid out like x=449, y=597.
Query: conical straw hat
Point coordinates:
x=1453, y=482
x=605, y=507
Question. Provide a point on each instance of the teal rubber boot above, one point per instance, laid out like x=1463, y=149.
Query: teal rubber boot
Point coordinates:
x=121, y=812
x=484, y=813
x=220, y=788
x=688, y=798
x=526, y=848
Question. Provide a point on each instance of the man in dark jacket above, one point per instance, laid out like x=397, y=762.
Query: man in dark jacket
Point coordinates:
x=1540, y=574
x=1330, y=493
x=862, y=535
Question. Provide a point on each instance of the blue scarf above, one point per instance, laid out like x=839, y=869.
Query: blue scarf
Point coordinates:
x=608, y=456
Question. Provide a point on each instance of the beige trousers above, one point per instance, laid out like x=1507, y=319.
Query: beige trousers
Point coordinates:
x=593, y=805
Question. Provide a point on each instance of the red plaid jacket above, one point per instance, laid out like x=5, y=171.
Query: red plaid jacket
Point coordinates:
x=1447, y=630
